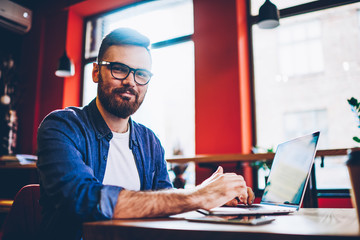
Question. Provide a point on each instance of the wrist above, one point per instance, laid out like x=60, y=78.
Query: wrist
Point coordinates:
x=197, y=198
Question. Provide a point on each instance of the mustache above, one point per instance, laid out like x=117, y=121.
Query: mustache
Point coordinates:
x=124, y=90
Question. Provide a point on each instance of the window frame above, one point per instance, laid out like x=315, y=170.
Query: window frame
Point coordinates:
x=284, y=13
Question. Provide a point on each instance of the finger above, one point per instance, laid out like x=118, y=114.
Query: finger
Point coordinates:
x=244, y=197
x=251, y=196
x=232, y=203
x=219, y=170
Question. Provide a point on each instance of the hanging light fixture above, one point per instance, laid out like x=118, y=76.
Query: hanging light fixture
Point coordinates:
x=65, y=67
x=268, y=16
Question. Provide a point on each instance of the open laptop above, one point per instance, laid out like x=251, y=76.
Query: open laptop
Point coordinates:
x=285, y=188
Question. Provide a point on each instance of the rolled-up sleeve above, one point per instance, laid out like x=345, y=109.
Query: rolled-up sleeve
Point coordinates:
x=67, y=178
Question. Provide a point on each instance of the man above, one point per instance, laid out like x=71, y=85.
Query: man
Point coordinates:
x=95, y=163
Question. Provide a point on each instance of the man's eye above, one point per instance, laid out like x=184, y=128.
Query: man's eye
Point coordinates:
x=142, y=74
x=120, y=69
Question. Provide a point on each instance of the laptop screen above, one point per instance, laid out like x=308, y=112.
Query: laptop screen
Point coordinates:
x=290, y=170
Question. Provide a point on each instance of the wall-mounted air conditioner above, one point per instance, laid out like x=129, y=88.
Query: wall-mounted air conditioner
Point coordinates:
x=15, y=17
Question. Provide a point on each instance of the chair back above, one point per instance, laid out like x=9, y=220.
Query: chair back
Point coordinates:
x=23, y=220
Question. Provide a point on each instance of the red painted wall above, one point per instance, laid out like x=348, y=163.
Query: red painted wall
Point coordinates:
x=74, y=42
x=221, y=73
x=51, y=86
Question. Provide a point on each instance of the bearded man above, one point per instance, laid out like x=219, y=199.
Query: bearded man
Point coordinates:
x=95, y=163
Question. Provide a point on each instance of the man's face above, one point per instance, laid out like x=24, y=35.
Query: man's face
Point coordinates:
x=121, y=98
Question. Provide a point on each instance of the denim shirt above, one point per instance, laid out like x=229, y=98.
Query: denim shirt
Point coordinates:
x=73, y=146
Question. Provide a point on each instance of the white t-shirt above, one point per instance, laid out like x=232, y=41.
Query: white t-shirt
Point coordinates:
x=121, y=168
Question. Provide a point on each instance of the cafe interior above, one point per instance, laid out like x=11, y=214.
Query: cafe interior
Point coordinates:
x=232, y=80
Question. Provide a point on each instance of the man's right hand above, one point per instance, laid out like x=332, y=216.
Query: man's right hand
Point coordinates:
x=222, y=188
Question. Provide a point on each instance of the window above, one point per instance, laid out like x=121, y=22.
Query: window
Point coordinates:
x=300, y=49
x=304, y=72
x=169, y=105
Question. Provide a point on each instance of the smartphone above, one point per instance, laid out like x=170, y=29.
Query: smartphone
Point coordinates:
x=245, y=220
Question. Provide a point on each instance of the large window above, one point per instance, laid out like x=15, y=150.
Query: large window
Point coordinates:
x=304, y=72
x=168, y=108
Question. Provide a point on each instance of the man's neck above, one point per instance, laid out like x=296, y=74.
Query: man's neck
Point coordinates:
x=115, y=123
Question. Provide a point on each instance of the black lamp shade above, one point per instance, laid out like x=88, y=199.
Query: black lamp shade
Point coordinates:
x=65, y=67
x=268, y=16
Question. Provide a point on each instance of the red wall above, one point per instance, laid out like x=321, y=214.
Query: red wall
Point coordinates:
x=222, y=111
x=74, y=42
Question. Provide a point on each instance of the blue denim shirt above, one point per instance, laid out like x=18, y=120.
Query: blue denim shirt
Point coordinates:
x=73, y=146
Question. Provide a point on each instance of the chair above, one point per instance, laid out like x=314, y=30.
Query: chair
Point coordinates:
x=24, y=218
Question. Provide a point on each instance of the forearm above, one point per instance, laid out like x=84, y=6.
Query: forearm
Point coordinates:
x=217, y=190
x=142, y=204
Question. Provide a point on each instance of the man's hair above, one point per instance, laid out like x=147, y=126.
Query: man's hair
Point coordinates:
x=123, y=36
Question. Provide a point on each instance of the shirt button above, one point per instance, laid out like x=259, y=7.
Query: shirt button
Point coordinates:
x=104, y=157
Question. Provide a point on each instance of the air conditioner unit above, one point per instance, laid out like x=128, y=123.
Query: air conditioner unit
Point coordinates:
x=15, y=17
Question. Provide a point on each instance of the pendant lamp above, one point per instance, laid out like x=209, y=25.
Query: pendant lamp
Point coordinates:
x=268, y=16
x=65, y=67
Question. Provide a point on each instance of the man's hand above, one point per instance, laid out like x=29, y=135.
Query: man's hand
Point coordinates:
x=223, y=188
x=250, y=199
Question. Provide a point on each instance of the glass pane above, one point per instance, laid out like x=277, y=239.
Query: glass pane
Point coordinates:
x=172, y=18
x=169, y=105
x=89, y=87
x=305, y=70
x=158, y=20
x=93, y=37
x=333, y=167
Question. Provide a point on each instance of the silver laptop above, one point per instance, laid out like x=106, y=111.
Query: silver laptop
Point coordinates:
x=285, y=188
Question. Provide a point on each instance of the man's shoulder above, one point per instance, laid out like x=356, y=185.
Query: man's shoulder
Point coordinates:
x=70, y=118
x=67, y=114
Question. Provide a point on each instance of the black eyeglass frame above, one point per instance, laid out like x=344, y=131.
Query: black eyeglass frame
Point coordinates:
x=134, y=70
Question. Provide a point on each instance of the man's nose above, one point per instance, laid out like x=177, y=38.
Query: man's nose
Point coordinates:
x=130, y=79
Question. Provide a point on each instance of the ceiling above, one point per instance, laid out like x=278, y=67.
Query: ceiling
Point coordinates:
x=82, y=7
x=91, y=7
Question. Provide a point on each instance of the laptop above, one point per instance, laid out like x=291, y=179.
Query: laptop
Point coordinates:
x=285, y=188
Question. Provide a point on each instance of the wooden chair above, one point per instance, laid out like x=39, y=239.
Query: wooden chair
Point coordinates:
x=24, y=218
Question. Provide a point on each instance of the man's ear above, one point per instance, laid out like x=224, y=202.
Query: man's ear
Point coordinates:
x=95, y=73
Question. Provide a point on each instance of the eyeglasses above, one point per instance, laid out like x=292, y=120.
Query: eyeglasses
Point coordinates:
x=121, y=71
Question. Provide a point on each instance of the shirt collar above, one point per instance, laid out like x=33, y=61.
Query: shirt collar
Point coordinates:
x=100, y=126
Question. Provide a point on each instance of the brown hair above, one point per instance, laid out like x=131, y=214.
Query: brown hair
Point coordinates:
x=123, y=36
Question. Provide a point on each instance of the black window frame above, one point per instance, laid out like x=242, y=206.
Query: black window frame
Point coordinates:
x=289, y=12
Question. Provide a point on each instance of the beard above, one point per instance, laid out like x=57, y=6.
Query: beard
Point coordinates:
x=109, y=99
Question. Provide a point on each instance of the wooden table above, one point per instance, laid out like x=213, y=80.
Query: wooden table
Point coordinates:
x=251, y=157
x=310, y=223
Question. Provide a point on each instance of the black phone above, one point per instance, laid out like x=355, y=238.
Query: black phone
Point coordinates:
x=245, y=220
